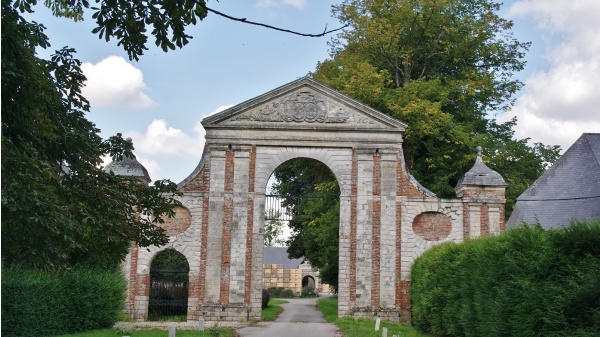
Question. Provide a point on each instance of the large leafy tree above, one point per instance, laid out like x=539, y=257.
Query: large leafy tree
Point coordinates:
x=313, y=198
x=59, y=208
x=445, y=67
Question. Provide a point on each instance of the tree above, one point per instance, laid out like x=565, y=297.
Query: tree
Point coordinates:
x=59, y=208
x=315, y=224
x=273, y=229
x=128, y=21
x=444, y=67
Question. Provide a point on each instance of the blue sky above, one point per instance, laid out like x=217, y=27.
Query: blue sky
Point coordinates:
x=160, y=100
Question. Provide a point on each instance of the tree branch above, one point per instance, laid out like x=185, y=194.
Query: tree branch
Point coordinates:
x=244, y=20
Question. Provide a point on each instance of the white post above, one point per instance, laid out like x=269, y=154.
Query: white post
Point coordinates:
x=171, y=331
x=384, y=332
x=377, y=323
x=201, y=324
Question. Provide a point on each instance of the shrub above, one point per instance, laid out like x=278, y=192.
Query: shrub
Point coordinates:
x=265, y=298
x=45, y=303
x=287, y=293
x=308, y=292
x=527, y=281
x=279, y=292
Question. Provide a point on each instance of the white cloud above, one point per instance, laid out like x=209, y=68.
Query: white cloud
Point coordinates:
x=219, y=109
x=162, y=140
x=299, y=4
x=114, y=82
x=151, y=166
x=561, y=102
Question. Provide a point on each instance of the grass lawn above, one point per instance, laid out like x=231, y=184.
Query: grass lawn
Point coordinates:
x=272, y=310
x=215, y=332
x=362, y=327
x=268, y=314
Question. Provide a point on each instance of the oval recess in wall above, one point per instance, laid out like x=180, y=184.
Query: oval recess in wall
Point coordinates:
x=179, y=223
x=432, y=226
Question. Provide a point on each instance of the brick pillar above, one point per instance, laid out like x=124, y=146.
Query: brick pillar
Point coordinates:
x=142, y=293
x=250, y=228
x=353, y=209
x=203, y=250
x=466, y=222
x=376, y=233
x=404, y=306
x=484, y=220
x=399, y=298
x=132, y=276
x=227, y=223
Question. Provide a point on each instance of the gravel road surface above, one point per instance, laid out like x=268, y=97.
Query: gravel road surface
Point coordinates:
x=300, y=318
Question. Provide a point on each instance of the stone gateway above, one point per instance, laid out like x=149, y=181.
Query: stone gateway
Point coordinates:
x=387, y=219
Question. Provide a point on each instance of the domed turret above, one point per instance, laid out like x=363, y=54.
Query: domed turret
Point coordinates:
x=129, y=167
x=481, y=175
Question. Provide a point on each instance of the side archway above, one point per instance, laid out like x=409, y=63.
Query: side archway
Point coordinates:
x=169, y=281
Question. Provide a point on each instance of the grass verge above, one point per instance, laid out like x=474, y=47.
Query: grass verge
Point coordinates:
x=351, y=327
x=270, y=313
x=213, y=332
x=272, y=310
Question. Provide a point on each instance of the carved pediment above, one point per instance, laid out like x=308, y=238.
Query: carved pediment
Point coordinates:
x=304, y=106
x=303, y=103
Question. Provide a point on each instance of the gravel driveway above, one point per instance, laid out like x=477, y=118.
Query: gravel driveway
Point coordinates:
x=300, y=318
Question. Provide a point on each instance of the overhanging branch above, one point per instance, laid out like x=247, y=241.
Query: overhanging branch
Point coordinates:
x=244, y=20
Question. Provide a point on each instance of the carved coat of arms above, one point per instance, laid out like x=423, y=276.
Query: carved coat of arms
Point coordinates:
x=303, y=107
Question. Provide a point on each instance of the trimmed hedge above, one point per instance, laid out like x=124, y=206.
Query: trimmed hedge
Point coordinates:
x=524, y=282
x=279, y=292
x=265, y=298
x=38, y=303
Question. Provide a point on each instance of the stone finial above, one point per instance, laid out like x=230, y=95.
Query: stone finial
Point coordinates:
x=479, y=151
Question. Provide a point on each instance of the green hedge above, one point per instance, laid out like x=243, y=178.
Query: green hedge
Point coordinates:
x=44, y=303
x=525, y=282
x=279, y=292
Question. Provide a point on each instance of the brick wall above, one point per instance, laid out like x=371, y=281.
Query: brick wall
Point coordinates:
x=386, y=221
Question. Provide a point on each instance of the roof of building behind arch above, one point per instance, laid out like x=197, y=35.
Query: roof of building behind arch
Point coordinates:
x=569, y=189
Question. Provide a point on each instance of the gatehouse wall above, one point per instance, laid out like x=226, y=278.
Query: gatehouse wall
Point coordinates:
x=387, y=219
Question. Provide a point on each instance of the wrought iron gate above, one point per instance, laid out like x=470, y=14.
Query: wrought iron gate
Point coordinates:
x=168, y=296
x=287, y=207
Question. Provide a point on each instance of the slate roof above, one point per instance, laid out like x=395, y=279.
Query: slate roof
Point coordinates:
x=129, y=167
x=481, y=175
x=279, y=255
x=568, y=189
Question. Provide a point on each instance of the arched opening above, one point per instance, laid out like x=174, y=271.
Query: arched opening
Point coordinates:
x=168, y=287
x=305, y=210
x=308, y=281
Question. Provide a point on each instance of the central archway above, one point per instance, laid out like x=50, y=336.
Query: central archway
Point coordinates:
x=246, y=143
x=310, y=193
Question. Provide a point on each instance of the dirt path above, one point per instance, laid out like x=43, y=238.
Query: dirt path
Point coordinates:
x=300, y=318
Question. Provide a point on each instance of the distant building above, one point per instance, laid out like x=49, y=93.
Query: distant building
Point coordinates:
x=569, y=189
x=279, y=271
